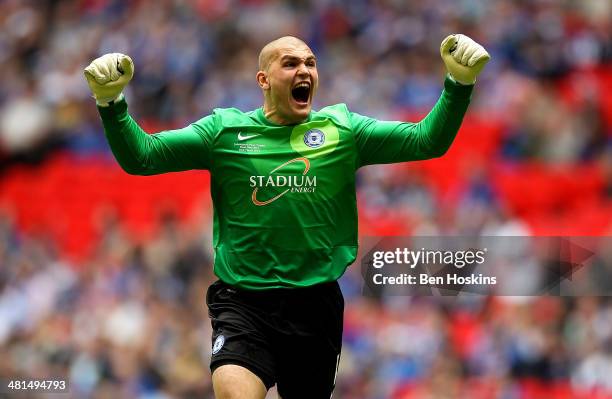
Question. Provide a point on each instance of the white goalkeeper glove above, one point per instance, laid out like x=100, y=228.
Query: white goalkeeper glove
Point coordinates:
x=108, y=75
x=463, y=57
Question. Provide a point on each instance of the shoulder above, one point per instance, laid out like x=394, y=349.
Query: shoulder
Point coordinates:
x=219, y=119
x=335, y=109
x=232, y=116
x=339, y=113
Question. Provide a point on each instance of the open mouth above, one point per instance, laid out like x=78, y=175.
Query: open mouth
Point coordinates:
x=301, y=92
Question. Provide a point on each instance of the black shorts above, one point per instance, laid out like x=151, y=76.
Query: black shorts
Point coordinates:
x=288, y=337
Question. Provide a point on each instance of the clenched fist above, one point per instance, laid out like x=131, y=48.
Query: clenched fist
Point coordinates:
x=108, y=75
x=463, y=57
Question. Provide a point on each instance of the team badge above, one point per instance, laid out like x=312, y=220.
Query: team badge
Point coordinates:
x=218, y=344
x=314, y=138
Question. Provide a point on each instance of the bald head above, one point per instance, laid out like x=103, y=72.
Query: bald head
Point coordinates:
x=271, y=50
x=288, y=79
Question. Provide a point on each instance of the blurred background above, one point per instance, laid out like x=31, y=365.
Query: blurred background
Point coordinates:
x=103, y=275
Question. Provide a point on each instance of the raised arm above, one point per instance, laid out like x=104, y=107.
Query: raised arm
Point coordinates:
x=388, y=142
x=136, y=151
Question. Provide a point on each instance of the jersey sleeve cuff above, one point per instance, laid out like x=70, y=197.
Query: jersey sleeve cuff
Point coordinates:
x=114, y=108
x=458, y=89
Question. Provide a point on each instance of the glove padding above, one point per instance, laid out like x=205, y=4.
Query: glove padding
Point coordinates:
x=108, y=75
x=463, y=57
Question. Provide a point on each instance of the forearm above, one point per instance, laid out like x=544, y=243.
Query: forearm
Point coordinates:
x=127, y=140
x=394, y=141
x=436, y=132
x=170, y=151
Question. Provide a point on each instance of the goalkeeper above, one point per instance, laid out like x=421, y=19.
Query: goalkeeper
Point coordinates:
x=285, y=213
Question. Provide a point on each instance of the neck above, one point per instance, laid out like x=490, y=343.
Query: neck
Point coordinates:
x=271, y=113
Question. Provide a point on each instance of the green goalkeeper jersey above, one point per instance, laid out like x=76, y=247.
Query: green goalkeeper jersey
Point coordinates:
x=285, y=211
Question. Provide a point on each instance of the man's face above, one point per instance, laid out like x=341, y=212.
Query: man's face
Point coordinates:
x=292, y=82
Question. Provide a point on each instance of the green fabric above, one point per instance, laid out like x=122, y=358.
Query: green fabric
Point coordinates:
x=285, y=212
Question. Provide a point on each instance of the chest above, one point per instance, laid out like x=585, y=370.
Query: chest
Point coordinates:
x=308, y=161
x=284, y=149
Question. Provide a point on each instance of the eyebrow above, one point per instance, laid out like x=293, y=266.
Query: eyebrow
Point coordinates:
x=294, y=57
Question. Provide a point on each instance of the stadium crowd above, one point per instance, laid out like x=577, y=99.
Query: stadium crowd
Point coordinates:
x=129, y=320
x=380, y=57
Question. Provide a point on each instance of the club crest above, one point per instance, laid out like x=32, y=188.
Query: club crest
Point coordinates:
x=314, y=138
x=218, y=344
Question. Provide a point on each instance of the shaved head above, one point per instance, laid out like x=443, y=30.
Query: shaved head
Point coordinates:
x=288, y=78
x=271, y=50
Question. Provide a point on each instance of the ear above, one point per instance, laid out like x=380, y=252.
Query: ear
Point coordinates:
x=262, y=80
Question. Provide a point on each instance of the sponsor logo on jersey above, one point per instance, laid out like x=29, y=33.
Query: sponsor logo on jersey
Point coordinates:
x=293, y=183
x=314, y=138
x=242, y=137
x=218, y=344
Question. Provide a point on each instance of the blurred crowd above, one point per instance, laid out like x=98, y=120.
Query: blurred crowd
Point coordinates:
x=130, y=321
x=380, y=57
x=139, y=302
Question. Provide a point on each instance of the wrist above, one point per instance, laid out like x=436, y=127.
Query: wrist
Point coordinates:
x=461, y=83
x=105, y=102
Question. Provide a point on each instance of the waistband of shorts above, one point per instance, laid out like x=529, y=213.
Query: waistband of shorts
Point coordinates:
x=282, y=292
